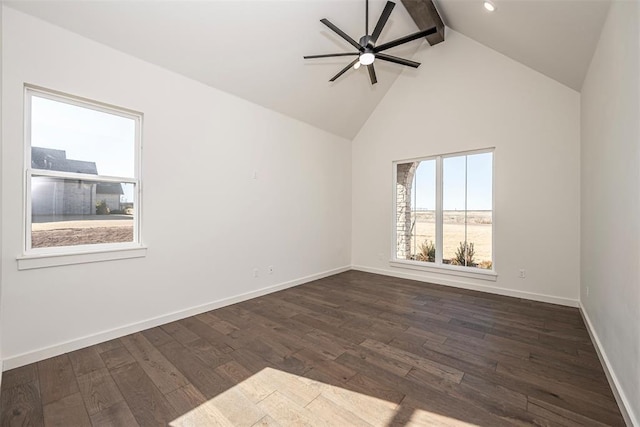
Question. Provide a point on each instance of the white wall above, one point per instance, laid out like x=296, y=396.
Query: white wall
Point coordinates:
x=610, y=203
x=206, y=222
x=1, y=363
x=466, y=96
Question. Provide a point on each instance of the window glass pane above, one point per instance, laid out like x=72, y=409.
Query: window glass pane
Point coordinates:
x=454, y=210
x=423, y=218
x=69, y=138
x=67, y=212
x=479, y=207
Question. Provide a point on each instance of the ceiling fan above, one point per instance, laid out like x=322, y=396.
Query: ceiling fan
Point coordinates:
x=368, y=52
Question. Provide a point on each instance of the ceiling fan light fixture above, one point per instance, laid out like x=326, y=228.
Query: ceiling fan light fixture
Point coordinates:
x=489, y=6
x=367, y=58
x=367, y=49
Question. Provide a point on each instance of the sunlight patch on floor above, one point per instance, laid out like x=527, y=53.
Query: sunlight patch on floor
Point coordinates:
x=273, y=397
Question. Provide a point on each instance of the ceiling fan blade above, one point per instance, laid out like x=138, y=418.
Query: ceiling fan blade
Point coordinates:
x=341, y=33
x=345, y=69
x=330, y=55
x=397, y=60
x=382, y=21
x=404, y=39
x=372, y=74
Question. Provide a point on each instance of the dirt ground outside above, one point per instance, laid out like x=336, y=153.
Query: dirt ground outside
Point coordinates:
x=81, y=232
x=478, y=231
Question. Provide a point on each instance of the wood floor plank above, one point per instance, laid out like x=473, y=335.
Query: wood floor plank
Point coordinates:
x=117, y=415
x=156, y=336
x=291, y=386
x=390, y=364
x=117, y=357
x=20, y=405
x=561, y=416
x=367, y=386
x=351, y=349
x=562, y=387
x=211, y=335
x=195, y=409
x=364, y=408
x=216, y=323
x=146, y=402
x=108, y=345
x=163, y=374
x=179, y=333
x=267, y=421
x=57, y=379
x=334, y=414
x=336, y=371
x=209, y=354
x=251, y=384
x=327, y=344
x=185, y=399
x=236, y=407
x=279, y=407
x=98, y=391
x=65, y=412
x=86, y=360
x=18, y=376
x=438, y=369
x=204, y=378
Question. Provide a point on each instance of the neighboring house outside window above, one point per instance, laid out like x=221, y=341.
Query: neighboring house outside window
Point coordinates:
x=444, y=211
x=68, y=198
x=83, y=175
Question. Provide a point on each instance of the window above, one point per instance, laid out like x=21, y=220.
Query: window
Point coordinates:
x=444, y=211
x=82, y=175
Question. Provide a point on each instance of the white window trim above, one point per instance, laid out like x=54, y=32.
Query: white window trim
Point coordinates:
x=438, y=266
x=66, y=255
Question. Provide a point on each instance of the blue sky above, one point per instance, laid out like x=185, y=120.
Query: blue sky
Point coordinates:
x=478, y=183
x=86, y=134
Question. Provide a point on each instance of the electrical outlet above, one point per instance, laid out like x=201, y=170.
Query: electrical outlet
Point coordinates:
x=270, y=269
x=523, y=273
x=255, y=272
x=587, y=291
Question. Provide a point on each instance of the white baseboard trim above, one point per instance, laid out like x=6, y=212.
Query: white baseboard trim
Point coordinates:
x=76, y=344
x=471, y=286
x=625, y=406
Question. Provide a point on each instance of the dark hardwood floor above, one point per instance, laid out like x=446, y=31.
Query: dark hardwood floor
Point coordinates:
x=351, y=349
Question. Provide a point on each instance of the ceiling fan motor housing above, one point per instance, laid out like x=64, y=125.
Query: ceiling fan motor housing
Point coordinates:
x=366, y=42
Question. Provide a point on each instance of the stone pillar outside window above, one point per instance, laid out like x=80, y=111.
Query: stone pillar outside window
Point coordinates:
x=404, y=182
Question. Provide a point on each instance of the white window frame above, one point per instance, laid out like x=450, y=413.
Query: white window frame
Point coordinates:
x=63, y=255
x=438, y=266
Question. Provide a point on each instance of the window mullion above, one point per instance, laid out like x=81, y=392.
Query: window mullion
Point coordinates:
x=439, y=214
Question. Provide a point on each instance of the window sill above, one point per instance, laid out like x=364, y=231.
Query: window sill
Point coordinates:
x=476, y=273
x=28, y=262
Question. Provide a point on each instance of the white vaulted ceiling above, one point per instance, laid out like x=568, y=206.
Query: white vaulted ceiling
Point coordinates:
x=254, y=48
x=554, y=37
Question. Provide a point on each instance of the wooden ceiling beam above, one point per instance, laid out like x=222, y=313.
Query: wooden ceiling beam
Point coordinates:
x=425, y=15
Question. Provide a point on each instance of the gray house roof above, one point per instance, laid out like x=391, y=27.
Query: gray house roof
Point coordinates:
x=52, y=159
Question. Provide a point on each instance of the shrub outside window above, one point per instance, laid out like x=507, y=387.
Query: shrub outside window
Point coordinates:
x=82, y=171
x=444, y=210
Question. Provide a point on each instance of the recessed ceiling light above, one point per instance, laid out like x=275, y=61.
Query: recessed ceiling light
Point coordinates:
x=489, y=6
